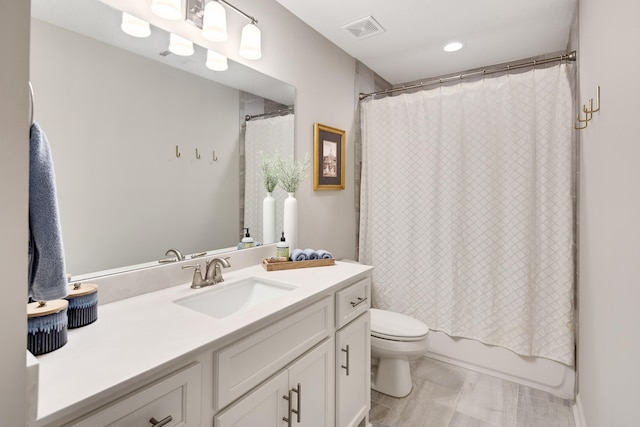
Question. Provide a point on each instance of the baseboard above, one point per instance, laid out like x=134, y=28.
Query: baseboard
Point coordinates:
x=578, y=415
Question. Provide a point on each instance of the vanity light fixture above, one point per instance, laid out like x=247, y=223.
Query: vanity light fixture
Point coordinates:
x=216, y=61
x=453, y=46
x=180, y=46
x=250, y=42
x=210, y=16
x=134, y=26
x=167, y=9
x=214, y=22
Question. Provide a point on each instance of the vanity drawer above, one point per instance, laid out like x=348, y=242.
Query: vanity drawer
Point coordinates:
x=178, y=396
x=248, y=362
x=352, y=301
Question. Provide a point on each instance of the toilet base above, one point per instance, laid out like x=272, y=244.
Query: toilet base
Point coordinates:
x=392, y=377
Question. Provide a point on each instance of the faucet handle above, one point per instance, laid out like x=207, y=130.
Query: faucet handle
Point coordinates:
x=194, y=266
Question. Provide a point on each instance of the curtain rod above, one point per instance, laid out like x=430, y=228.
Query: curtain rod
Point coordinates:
x=283, y=112
x=571, y=56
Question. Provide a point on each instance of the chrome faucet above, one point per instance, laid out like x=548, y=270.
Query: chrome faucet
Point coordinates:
x=176, y=253
x=213, y=273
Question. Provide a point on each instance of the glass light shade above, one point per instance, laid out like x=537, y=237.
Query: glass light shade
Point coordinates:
x=180, y=45
x=135, y=27
x=167, y=9
x=250, y=43
x=214, y=22
x=216, y=61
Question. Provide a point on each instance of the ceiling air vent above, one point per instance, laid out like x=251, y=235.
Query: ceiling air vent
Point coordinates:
x=363, y=28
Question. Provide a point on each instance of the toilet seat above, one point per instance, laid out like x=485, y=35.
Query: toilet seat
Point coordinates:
x=396, y=326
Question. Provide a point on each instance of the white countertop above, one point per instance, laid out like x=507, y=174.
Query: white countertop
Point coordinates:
x=139, y=336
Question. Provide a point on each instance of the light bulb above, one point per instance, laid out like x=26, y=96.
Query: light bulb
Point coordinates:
x=214, y=22
x=453, y=46
x=250, y=42
x=180, y=45
x=216, y=61
x=135, y=27
x=167, y=9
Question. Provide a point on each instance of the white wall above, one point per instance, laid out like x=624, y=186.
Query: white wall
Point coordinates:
x=14, y=137
x=113, y=120
x=609, y=291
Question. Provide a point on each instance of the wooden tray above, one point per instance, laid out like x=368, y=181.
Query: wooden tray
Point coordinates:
x=288, y=265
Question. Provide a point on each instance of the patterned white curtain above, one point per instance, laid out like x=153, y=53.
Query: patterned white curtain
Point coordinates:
x=467, y=213
x=268, y=136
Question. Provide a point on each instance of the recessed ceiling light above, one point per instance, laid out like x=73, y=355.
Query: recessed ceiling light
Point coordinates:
x=453, y=46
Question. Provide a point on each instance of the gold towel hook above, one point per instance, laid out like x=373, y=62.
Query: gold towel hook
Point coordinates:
x=586, y=123
x=597, y=101
x=177, y=152
x=197, y=154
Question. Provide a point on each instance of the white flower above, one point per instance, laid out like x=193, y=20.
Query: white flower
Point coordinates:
x=291, y=173
x=269, y=172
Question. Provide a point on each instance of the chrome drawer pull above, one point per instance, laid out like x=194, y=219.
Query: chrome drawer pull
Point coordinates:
x=346, y=367
x=360, y=301
x=298, y=392
x=285, y=419
x=162, y=422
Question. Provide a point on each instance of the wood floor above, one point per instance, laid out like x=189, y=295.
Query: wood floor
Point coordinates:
x=444, y=395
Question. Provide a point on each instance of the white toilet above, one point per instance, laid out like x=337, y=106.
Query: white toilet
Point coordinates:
x=395, y=340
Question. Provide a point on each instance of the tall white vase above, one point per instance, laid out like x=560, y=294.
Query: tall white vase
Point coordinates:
x=290, y=220
x=269, y=219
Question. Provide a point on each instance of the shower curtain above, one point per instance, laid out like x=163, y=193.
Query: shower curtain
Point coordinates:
x=267, y=136
x=467, y=212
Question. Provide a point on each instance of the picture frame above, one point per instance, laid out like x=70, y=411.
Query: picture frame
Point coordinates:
x=328, y=157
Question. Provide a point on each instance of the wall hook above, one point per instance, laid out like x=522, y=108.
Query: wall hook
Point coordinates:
x=177, y=152
x=215, y=158
x=197, y=154
x=588, y=111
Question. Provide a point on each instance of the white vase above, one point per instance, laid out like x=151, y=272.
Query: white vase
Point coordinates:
x=269, y=220
x=290, y=220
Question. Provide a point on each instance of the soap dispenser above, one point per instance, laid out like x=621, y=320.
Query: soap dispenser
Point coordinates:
x=282, y=248
x=247, y=240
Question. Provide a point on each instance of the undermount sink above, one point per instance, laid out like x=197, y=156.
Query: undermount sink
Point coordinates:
x=226, y=299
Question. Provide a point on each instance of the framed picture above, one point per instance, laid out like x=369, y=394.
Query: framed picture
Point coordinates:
x=328, y=158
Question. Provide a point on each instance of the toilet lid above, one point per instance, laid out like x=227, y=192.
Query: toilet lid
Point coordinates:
x=396, y=326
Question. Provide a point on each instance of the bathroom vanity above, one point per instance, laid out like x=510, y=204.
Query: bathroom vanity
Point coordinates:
x=294, y=353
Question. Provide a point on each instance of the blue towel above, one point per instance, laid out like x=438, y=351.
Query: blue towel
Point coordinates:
x=47, y=274
x=297, y=255
x=310, y=254
x=322, y=254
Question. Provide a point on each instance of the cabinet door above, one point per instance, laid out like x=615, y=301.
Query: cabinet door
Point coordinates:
x=263, y=407
x=353, y=372
x=311, y=379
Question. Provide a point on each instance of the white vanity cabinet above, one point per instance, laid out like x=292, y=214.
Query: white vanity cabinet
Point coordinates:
x=304, y=363
x=353, y=354
x=171, y=402
x=301, y=396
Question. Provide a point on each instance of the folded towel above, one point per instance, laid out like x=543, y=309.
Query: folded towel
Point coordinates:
x=47, y=273
x=298, y=255
x=322, y=254
x=310, y=254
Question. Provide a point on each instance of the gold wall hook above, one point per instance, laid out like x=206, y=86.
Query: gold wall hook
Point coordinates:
x=197, y=154
x=588, y=111
x=586, y=123
x=597, y=101
x=177, y=152
x=215, y=158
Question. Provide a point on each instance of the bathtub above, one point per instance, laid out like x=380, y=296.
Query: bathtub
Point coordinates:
x=542, y=374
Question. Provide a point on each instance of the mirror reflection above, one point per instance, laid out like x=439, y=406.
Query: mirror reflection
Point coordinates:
x=147, y=145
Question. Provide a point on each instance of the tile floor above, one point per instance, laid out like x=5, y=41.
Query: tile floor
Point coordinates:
x=445, y=395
